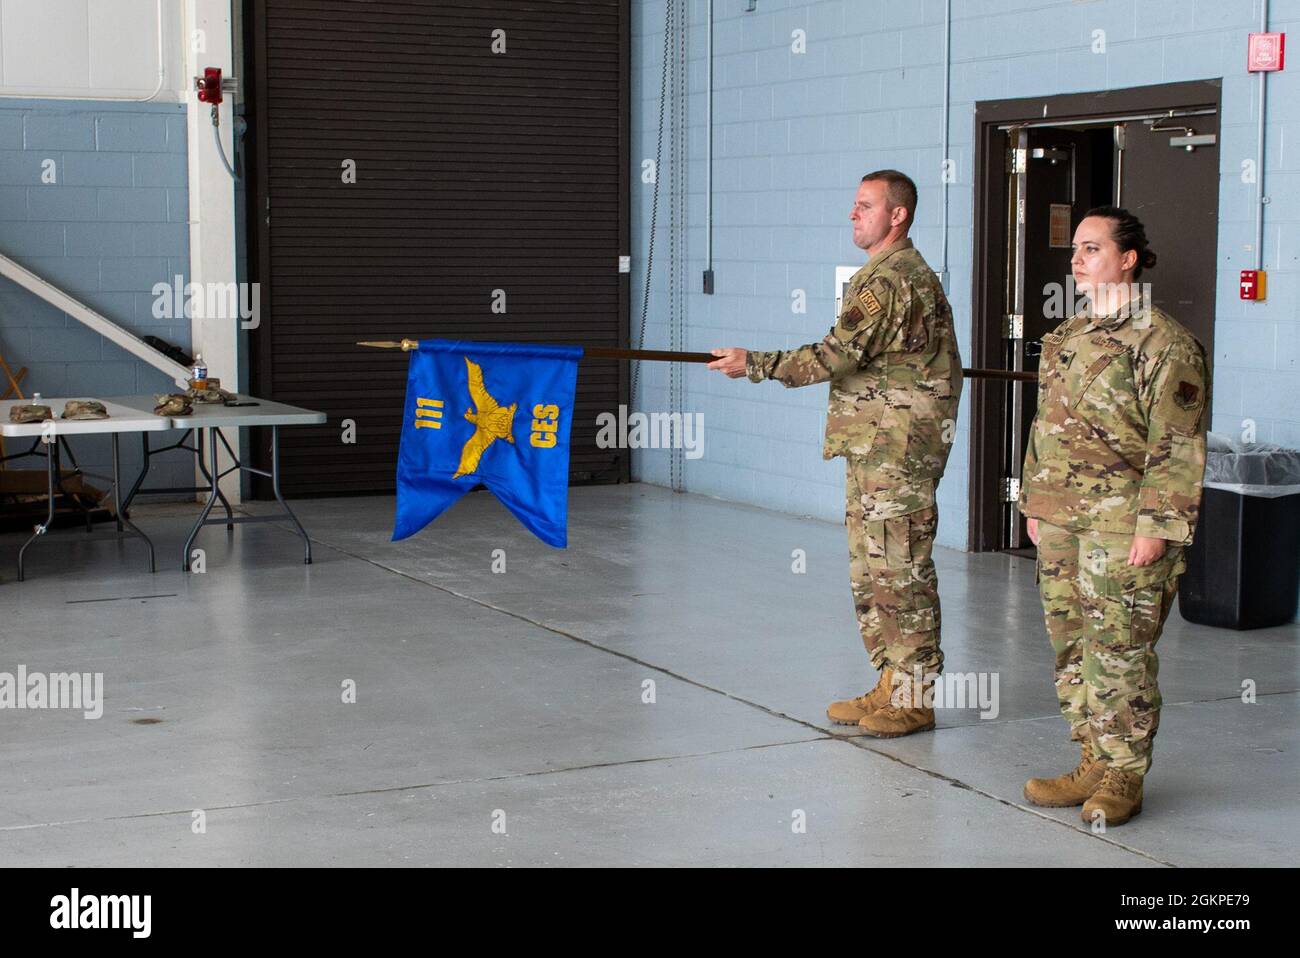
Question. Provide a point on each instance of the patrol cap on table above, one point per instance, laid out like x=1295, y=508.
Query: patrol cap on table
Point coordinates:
x=84, y=409
x=28, y=412
x=213, y=394
x=173, y=404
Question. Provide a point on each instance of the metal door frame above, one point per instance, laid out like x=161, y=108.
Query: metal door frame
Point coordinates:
x=992, y=249
x=1014, y=317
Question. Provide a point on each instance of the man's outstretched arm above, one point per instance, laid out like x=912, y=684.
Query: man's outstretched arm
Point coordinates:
x=814, y=363
x=861, y=333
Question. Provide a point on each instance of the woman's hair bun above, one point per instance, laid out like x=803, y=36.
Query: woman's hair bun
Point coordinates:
x=1128, y=233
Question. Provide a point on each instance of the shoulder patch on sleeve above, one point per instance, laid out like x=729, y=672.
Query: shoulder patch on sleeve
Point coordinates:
x=1183, y=395
x=851, y=317
x=1187, y=395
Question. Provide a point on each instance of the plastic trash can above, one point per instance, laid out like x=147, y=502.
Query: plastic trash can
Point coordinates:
x=1243, y=567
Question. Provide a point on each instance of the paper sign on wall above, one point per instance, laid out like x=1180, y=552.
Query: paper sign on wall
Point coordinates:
x=842, y=276
x=1058, y=228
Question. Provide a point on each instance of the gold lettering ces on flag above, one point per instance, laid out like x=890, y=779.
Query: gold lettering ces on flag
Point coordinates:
x=428, y=413
x=546, y=422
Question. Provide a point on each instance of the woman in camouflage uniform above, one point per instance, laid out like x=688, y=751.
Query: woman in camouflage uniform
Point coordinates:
x=1112, y=485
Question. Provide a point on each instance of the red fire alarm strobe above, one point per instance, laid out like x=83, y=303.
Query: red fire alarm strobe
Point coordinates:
x=1266, y=52
x=1253, y=284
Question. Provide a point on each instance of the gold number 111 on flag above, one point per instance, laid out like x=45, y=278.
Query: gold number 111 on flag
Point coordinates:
x=428, y=412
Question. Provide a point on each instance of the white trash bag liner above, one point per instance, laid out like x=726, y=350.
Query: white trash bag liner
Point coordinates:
x=1251, y=469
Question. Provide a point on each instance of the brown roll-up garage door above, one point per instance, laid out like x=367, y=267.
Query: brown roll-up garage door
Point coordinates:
x=489, y=142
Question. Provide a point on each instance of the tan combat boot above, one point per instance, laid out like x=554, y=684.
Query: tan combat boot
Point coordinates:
x=1072, y=788
x=1118, y=797
x=899, y=717
x=851, y=711
x=892, y=721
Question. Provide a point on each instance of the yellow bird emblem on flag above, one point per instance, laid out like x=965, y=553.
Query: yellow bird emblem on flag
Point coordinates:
x=492, y=421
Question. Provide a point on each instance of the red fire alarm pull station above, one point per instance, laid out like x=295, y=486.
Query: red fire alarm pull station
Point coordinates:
x=1253, y=285
x=1266, y=53
x=209, y=86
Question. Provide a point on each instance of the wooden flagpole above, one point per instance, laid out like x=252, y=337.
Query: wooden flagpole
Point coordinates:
x=665, y=356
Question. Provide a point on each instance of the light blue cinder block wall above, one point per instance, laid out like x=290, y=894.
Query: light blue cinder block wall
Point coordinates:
x=112, y=224
x=795, y=132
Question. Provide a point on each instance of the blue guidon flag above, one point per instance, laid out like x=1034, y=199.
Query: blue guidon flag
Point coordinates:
x=492, y=413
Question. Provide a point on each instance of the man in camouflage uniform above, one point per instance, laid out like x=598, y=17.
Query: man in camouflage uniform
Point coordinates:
x=895, y=380
x=1115, y=456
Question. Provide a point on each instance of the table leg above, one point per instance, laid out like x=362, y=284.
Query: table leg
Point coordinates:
x=275, y=486
x=213, y=495
x=146, y=467
x=144, y=471
x=117, y=486
x=214, y=475
x=60, y=446
x=198, y=447
x=117, y=501
x=50, y=466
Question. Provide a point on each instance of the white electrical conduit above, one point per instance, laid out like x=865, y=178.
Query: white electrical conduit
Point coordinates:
x=162, y=78
x=947, y=83
x=708, y=145
x=1260, y=199
x=221, y=150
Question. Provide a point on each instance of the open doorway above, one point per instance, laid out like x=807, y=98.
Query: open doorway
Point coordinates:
x=1041, y=163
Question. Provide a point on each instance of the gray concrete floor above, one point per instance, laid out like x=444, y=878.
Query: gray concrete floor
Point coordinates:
x=516, y=698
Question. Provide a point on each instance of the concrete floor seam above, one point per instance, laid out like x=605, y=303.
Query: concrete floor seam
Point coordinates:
x=584, y=768
x=1045, y=718
x=417, y=787
x=857, y=742
x=1229, y=698
x=163, y=814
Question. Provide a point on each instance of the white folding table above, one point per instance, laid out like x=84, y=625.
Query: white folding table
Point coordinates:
x=214, y=417
x=53, y=433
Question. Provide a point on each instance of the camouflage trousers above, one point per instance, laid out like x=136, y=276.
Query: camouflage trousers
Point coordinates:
x=895, y=586
x=1103, y=618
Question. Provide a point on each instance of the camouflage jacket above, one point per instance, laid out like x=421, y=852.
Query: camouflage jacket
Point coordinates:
x=1118, y=444
x=895, y=375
